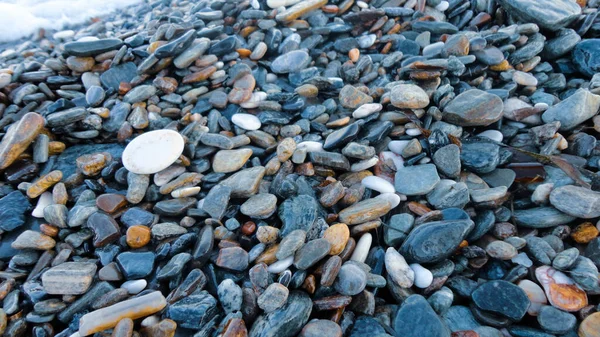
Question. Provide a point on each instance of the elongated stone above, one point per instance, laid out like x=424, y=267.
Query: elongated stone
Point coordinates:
x=364, y=211
x=300, y=9
x=69, y=278
x=18, y=138
x=134, y=308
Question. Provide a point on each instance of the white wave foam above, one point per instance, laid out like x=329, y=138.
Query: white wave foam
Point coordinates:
x=21, y=18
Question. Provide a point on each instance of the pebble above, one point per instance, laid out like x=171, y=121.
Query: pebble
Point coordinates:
x=502, y=298
x=273, y=298
x=576, y=201
x=416, y=180
x=152, y=152
x=227, y=161
x=416, y=318
x=19, y=137
x=398, y=270
x=351, y=280
x=409, y=96
x=474, y=108
x=447, y=234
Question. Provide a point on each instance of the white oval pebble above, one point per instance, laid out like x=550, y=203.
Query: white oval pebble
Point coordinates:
x=281, y=265
x=362, y=248
x=541, y=194
x=366, y=110
x=152, y=151
x=310, y=146
x=423, y=277
x=134, y=286
x=393, y=198
x=442, y=6
x=536, y=295
x=44, y=200
x=150, y=321
x=413, y=132
x=246, y=121
x=63, y=34
x=281, y=3
x=398, y=270
x=364, y=164
x=378, y=184
x=494, y=135
x=362, y=4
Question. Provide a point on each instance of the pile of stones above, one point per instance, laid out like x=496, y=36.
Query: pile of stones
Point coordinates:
x=304, y=168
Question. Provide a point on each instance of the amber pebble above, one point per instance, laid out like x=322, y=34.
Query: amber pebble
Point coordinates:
x=59, y=194
x=590, y=327
x=124, y=88
x=49, y=230
x=44, y=183
x=268, y=256
x=168, y=85
x=417, y=208
x=584, y=233
x=6, y=287
x=354, y=54
x=111, y=202
x=91, y=164
x=164, y=328
x=138, y=236
x=337, y=235
x=242, y=89
x=235, y=328
x=154, y=45
x=502, y=66
x=56, y=148
x=199, y=76
x=307, y=90
x=305, y=169
x=18, y=137
x=248, y=228
x=243, y=52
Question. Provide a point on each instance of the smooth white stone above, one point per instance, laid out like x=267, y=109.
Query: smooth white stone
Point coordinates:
x=44, y=200
x=541, y=194
x=362, y=4
x=522, y=259
x=185, y=192
x=523, y=78
x=423, y=277
x=63, y=34
x=378, y=184
x=366, y=110
x=219, y=65
x=393, y=198
x=88, y=38
x=281, y=3
x=271, y=78
x=246, y=121
x=494, y=135
x=517, y=125
x=541, y=105
x=413, y=132
x=403, y=197
x=256, y=98
x=281, y=265
x=310, y=146
x=442, y=6
x=362, y=248
x=396, y=159
x=134, y=286
x=397, y=268
x=364, y=164
x=255, y=4
x=397, y=146
x=75, y=334
x=536, y=296
x=152, y=151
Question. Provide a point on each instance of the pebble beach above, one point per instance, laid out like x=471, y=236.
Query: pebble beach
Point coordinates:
x=313, y=168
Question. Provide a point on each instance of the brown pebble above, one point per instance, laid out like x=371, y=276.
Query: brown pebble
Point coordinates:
x=138, y=236
x=354, y=54
x=91, y=164
x=164, y=328
x=337, y=235
x=123, y=329
x=18, y=138
x=111, y=202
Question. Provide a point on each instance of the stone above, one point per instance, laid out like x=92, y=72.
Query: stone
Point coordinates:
x=501, y=298
x=474, y=108
x=136, y=265
x=409, y=96
x=556, y=321
x=535, y=294
x=352, y=98
x=233, y=258
x=434, y=241
x=286, y=321
x=226, y=161
x=351, y=280
x=480, y=158
x=111, y=202
x=541, y=217
x=590, y=327
x=106, y=229
x=290, y=244
x=576, y=201
x=69, y=278
x=398, y=270
x=92, y=47
x=18, y=138
x=416, y=180
x=230, y=296
x=139, y=94
x=449, y=194
x=13, y=208
x=363, y=211
x=33, y=240
x=311, y=253
x=548, y=14
x=291, y=62
x=300, y=212
x=447, y=160
x=378, y=184
x=193, y=311
x=246, y=121
x=273, y=298
x=321, y=327
x=416, y=318
x=337, y=235
x=115, y=75
x=133, y=308
x=300, y=9
x=561, y=291
x=153, y=151
x=245, y=183
x=574, y=110
x=260, y=206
